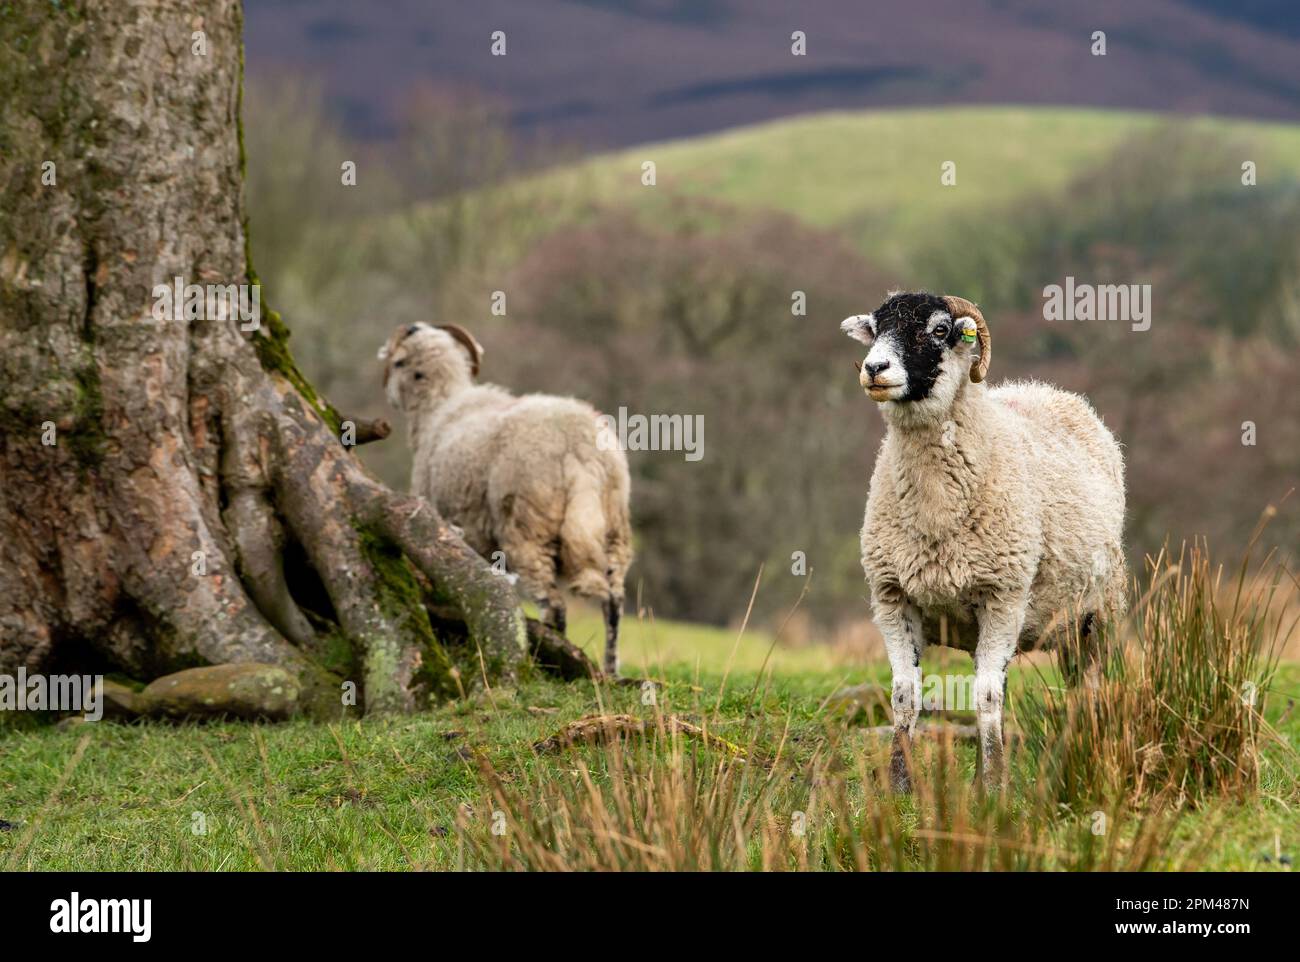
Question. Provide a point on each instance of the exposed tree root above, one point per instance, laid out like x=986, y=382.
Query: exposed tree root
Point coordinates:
x=460, y=578
x=554, y=653
x=362, y=539
x=259, y=540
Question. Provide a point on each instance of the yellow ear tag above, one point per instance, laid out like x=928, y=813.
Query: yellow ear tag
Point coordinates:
x=968, y=333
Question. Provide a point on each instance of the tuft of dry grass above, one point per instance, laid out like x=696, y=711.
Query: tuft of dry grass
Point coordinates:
x=661, y=804
x=1179, y=715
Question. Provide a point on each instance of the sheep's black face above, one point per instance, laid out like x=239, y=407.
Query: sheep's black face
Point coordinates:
x=914, y=344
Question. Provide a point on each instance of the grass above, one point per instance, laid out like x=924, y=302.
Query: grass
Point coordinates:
x=654, y=647
x=1175, y=720
x=877, y=174
x=426, y=791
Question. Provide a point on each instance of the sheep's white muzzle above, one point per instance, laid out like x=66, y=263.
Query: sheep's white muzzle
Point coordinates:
x=882, y=392
x=882, y=374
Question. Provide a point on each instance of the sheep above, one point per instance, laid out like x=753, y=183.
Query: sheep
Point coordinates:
x=994, y=517
x=532, y=477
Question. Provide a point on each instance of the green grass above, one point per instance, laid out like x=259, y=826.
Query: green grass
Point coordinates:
x=876, y=174
x=386, y=793
x=654, y=648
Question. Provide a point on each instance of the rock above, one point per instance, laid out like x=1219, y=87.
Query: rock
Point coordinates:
x=247, y=690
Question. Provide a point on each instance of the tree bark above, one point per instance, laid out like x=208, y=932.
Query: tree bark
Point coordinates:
x=173, y=492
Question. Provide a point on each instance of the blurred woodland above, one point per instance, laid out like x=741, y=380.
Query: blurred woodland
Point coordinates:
x=684, y=306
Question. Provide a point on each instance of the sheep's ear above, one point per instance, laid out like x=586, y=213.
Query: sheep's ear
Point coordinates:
x=474, y=348
x=860, y=327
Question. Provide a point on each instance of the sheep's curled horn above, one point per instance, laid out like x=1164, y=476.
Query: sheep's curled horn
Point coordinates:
x=466, y=338
x=960, y=307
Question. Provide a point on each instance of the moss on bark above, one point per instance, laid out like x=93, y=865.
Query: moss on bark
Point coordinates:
x=402, y=599
x=87, y=439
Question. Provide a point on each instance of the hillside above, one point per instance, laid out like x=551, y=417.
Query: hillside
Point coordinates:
x=875, y=175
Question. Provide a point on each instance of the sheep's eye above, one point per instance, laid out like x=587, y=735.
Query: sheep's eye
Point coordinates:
x=419, y=375
x=401, y=363
x=941, y=332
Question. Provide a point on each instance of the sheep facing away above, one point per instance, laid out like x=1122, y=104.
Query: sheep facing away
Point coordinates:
x=994, y=518
x=527, y=476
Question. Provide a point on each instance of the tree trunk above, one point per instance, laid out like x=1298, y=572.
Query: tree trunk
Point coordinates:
x=173, y=492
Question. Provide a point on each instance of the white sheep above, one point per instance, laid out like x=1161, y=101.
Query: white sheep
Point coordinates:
x=528, y=476
x=994, y=518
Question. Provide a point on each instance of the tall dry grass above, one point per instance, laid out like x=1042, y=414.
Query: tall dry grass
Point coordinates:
x=1179, y=716
x=656, y=802
x=1099, y=776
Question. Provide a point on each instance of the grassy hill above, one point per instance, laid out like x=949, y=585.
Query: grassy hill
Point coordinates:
x=876, y=175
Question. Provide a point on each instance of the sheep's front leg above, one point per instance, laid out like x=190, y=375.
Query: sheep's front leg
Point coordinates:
x=1000, y=620
x=899, y=622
